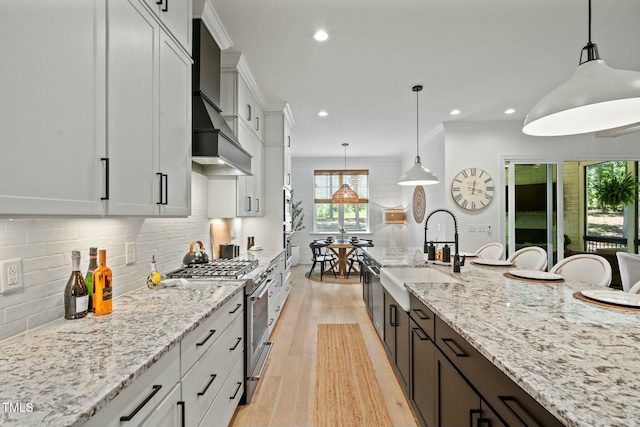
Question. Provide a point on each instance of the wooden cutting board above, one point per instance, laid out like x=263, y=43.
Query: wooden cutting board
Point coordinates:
x=220, y=235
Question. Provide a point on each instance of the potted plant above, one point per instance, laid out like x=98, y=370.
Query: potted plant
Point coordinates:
x=297, y=224
x=616, y=191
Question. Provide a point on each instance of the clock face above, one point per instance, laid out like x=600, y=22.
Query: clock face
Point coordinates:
x=472, y=189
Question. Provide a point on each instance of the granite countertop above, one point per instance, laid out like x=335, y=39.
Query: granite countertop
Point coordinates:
x=69, y=369
x=579, y=360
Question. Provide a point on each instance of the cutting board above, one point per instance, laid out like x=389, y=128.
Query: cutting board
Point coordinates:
x=220, y=235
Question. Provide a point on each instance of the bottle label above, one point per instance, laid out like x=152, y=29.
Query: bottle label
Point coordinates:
x=82, y=304
x=106, y=293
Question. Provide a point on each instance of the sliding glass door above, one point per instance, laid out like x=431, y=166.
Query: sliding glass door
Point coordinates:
x=534, y=207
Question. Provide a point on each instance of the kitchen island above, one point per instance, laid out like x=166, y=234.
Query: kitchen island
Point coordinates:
x=580, y=361
x=65, y=372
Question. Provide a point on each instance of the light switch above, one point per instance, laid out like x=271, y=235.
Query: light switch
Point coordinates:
x=482, y=228
x=472, y=228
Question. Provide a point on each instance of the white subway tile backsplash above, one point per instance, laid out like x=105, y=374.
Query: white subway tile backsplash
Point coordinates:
x=45, y=247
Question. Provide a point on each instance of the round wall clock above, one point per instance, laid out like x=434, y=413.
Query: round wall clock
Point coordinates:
x=472, y=189
x=419, y=204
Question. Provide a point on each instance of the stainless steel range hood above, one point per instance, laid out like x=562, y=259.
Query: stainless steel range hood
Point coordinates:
x=213, y=141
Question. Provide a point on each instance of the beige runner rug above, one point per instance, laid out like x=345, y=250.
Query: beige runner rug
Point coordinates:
x=347, y=391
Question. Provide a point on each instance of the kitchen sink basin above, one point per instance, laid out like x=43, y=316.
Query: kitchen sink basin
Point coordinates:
x=393, y=280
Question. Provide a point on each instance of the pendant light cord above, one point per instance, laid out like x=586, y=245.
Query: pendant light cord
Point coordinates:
x=417, y=125
x=589, y=21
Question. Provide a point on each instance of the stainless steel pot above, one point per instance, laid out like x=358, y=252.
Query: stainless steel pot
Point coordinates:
x=196, y=256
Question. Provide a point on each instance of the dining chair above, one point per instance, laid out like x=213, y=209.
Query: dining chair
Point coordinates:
x=530, y=258
x=322, y=258
x=356, y=256
x=588, y=268
x=491, y=251
x=629, y=265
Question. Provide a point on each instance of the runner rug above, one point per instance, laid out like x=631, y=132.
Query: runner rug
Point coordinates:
x=347, y=391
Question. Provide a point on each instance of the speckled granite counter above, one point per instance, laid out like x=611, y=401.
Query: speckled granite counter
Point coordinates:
x=69, y=369
x=579, y=360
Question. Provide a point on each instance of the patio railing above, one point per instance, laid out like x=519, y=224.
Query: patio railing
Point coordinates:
x=592, y=243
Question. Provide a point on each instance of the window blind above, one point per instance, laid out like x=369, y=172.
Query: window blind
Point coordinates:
x=327, y=182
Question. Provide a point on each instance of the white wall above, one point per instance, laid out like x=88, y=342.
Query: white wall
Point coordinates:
x=432, y=157
x=384, y=193
x=45, y=247
x=487, y=144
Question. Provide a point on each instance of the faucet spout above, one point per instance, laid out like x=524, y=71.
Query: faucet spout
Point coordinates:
x=457, y=263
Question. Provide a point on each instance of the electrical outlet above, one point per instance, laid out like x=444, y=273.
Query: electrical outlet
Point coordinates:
x=10, y=275
x=130, y=253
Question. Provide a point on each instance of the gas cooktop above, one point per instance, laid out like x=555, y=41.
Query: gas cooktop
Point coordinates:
x=223, y=268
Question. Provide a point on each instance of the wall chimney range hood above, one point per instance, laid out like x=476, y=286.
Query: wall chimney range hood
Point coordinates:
x=213, y=142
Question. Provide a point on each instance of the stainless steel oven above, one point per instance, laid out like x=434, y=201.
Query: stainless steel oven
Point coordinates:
x=257, y=336
x=372, y=292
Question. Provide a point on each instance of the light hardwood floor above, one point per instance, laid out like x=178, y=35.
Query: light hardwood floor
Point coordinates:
x=285, y=396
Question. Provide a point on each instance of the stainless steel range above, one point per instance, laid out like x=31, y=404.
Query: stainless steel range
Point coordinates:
x=256, y=309
x=222, y=268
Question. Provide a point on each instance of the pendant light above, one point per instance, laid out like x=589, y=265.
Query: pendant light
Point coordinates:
x=596, y=97
x=345, y=194
x=418, y=174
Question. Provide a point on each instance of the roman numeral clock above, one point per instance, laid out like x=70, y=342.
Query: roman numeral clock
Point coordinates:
x=473, y=189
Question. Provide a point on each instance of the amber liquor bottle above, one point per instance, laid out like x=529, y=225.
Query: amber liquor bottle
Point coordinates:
x=102, y=286
x=76, y=298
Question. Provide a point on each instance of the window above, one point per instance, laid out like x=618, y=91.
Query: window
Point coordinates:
x=329, y=217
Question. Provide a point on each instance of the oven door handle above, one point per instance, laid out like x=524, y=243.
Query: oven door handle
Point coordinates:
x=261, y=291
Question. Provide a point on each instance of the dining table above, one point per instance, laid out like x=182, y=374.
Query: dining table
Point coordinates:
x=342, y=249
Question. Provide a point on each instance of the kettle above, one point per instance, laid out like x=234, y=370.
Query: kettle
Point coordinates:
x=197, y=256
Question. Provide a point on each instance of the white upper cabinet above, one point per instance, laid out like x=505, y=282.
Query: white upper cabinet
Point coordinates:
x=100, y=117
x=176, y=15
x=52, y=119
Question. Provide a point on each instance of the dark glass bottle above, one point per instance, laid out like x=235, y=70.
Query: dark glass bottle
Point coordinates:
x=76, y=300
x=88, y=278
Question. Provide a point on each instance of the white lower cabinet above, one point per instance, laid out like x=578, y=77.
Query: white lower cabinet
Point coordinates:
x=136, y=402
x=225, y=404
x=203, y=383
x=169, y=413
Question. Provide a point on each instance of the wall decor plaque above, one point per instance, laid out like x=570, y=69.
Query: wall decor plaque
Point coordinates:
x=419, y=204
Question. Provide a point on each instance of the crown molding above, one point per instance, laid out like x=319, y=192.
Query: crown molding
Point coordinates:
x=204, y=10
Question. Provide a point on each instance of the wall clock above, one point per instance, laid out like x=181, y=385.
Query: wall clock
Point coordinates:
x=419, y=204
x=472, y=189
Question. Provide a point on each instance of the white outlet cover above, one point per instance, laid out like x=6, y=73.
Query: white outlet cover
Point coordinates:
x=10, y=275
x=130, y=253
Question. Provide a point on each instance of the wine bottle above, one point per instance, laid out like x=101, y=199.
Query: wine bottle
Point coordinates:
x=88, y=278
x=76, y=300
x=102, y=286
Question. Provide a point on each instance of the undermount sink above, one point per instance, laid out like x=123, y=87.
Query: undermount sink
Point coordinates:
x=394, y=279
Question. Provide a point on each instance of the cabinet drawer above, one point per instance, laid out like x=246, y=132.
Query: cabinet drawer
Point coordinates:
x=203, y=382
x=225, y=404
x=195, y=344
x=424, y=317
x=142, y=395
x=512, y=404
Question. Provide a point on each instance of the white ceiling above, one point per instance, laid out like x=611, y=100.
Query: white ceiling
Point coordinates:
x=480, y=56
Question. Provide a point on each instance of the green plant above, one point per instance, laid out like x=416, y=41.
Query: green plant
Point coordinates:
x=616, y=190
x=297, y=215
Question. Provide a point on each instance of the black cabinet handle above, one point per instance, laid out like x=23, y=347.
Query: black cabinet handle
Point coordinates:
x=518, y=410
x=392, y=315
x=236, y=392
x=160, y=195
x=249, y=111
x=270, y=322
x=166, y=6
x=278, y=309
x=211, y=332
x=248, y=204
x=288, y=140
x=166, y=189
x=182, y=423
x=156, y=388
x=236, y=344
x=420, y=334
x=106, y=178
x=420, y=314
x=257, y=205
x=158, y=1
x=257, y=123
x=288, y=179
x=213, y=377
x=457, y=350
x=235, y=309
x=480, y=422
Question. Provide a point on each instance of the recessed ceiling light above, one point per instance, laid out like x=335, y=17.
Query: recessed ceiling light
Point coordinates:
x=455, y=112
x=509, y=111
x=321, y=36
x=323, y=114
